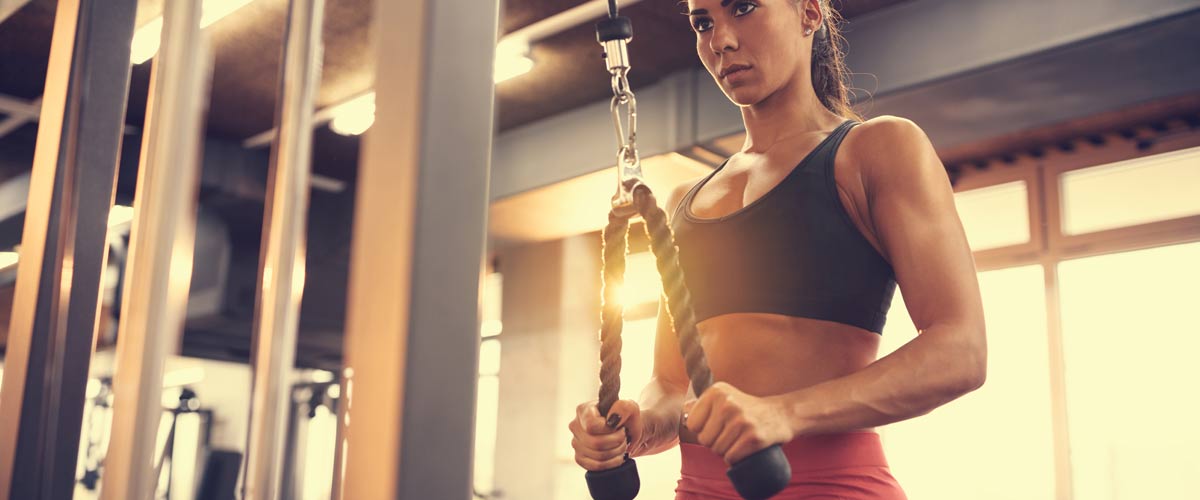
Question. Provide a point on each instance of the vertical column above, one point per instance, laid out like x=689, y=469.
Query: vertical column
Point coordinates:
x=412, y=326
x=162, y=240
x=63, y=248
x=282, y=261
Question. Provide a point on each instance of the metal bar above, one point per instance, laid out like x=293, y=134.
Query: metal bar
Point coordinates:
x=283, y=251
x=295, y=447
x=19, y=113
x=160, y=253
x=10, y=7
x=18, y=107
x=8, y=125
x=64, y=249
x=412, y=329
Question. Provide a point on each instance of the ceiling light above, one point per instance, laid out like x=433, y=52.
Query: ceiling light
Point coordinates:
x=8, y=259
x=355, y=116
x=512, y=60
x=119, y=215
x=183, y=376
x=147, y=38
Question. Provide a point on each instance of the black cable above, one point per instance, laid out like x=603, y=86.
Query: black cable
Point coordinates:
x=612, y=9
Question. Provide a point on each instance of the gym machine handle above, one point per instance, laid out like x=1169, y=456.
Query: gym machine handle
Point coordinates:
x=757, y=477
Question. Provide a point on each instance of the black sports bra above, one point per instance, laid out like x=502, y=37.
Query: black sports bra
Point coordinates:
x=794, y=251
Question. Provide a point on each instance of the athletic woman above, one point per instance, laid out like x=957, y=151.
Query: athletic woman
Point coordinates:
x=792, y=250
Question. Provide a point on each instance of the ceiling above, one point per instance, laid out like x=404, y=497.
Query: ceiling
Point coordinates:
x=247, y=47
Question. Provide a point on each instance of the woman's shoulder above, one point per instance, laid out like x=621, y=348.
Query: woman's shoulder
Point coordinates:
x=889, y=131
x=889, y=146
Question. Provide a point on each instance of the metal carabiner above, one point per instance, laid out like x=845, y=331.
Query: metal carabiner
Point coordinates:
x=629, y=165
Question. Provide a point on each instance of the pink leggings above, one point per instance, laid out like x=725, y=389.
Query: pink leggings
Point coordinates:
x=848, y=466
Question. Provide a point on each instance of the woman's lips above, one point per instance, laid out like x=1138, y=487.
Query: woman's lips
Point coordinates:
x=734, y=70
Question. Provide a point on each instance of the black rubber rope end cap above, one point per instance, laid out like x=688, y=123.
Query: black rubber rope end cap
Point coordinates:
x=761, y=475
x=621, y=483
x=618, y=28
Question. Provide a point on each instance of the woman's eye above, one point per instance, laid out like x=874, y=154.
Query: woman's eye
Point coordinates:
x=701, y=25
x=743, y=8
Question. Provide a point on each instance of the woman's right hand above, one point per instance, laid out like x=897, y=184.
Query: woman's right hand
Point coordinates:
x=599, y=447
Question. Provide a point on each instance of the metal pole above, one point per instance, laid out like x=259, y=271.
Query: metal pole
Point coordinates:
x=159, y=267
x=64, y=249
x=282, y=259
x=412, y=317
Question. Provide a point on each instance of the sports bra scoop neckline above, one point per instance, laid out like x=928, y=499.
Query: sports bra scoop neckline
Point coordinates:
x=808, y=158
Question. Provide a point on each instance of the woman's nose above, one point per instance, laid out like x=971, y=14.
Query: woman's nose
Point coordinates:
x=724, y=39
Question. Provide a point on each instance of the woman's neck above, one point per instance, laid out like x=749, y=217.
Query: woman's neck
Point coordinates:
x=791, y=111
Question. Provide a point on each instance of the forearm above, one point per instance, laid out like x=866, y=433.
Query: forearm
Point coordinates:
x=662, y=409
x=931, y=370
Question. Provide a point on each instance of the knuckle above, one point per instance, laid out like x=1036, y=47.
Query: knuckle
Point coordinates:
x=589, y=443
x=725, y=410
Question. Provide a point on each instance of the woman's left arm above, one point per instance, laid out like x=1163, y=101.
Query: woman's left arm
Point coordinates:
x=911, y=208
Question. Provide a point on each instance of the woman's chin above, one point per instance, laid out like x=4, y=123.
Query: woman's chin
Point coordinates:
x=743, y=95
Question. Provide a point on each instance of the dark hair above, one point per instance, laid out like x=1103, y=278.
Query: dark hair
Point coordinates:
x=830, y=77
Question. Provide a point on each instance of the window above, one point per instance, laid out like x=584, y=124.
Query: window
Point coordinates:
x=1161, y=187
x=995, y=216
x=983, y=444
x=1130, y=340
x=642, y=283
x=487, y=403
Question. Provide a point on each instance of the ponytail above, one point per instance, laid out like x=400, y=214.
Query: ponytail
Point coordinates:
x=830, y=76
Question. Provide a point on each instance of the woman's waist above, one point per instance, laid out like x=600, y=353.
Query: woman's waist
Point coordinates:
x=804, y=454
x=768, y=358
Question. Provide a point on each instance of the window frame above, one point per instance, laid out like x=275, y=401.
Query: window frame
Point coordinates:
x=1049, y=246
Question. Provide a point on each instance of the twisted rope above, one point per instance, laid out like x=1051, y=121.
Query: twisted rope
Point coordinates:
x=612, y=313
x=679, y=301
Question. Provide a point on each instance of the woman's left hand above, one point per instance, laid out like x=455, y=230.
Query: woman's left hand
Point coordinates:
x=734, y=424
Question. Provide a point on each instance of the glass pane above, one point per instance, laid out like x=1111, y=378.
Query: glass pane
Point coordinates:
x=488, y=404
x=994, y=443
x=642, y=283
x=187, y=455
x=493, y=287
x=1159, y=187
x=489, y=357
x=1130, y=341
x=637, y=356
x=995, y=216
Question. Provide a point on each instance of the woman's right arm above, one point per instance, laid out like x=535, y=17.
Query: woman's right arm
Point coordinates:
x=662, y=400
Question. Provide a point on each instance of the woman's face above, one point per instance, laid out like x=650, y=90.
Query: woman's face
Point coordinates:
x=752, y=48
